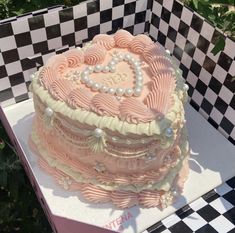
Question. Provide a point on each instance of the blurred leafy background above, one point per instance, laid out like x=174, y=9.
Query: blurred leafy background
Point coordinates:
x=19, y=208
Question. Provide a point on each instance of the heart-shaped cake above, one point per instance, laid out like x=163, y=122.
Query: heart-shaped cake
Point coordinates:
x=110, y=121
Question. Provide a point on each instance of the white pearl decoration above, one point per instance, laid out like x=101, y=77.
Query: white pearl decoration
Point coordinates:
x=98, y=132
x=111, y=90
x=120, y=91
x=49, y=112
x=111, y=68
x=169, y=132
x=185, y=87
x=106, y=69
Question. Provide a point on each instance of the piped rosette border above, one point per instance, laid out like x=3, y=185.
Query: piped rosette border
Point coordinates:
x=156, y=104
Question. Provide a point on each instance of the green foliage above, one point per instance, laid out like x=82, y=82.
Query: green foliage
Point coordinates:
x=9, y=8
x=220, y=13
x=19, y=207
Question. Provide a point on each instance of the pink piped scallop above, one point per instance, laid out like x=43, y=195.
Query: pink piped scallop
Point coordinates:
x=58, y=63
x=134, y=111
x=149, y=198
x=95, y=54
x=75, y=57
x=164, y=81
x=160, y=97
x=124, y=199
x=153, y=51
x=47, y=76
x=123, y=38
x=105, y=104
x=104, y=40
x=139, y=43
x=79, y=98
x=95, y=194
x=159, y=65
x=61, y=88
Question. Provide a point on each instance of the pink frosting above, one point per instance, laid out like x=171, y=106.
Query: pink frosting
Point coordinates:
x=159, y=65
x=124, y=199
x=47, y=76
x=75, y=57
x=134, y=111
x=139, y=43
x=105, y=104
x=150, y=177
x=95, y=194
x=58, y=63
x=61, y=88
x=95, y=54
x=164, y=81
x=153, y=51
x=123, y=38
x=106, y=41
x=149, y=198
x=79, y=98
x=159, y=98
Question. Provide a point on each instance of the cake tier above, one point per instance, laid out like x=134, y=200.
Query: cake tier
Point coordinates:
x=110, y=121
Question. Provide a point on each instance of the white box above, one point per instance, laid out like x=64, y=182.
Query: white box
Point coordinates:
x=211, y=163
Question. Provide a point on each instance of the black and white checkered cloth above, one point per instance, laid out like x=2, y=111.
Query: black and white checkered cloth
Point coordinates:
x=27, y=42
x=190, y=39
x=213, y=212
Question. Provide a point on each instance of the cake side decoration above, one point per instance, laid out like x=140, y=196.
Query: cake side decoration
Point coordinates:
x=110, y=121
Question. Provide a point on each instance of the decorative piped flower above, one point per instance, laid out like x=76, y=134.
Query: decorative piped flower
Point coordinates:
x=97, y=140
x=140, y=42
x=104, y=40
x=95, y=54
x=123, y=38
x=75, y=57
x=58, y=63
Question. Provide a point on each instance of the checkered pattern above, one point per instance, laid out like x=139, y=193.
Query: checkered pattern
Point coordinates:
x=27, y=42
x=190, y=39
x=213, y=212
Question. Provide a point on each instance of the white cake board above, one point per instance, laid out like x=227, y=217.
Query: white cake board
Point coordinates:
x=212, y=162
